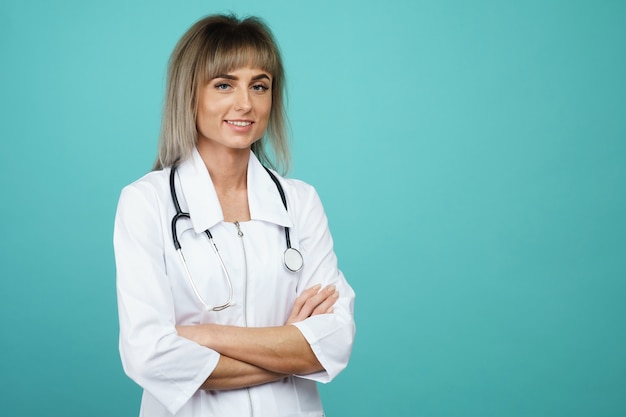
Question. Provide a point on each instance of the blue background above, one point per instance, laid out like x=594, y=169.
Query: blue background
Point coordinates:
x=471, y=157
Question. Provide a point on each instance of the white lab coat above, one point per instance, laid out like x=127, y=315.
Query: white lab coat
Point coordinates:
x=154, y=294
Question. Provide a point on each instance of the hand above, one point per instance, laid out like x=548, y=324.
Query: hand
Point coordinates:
x=313, y=302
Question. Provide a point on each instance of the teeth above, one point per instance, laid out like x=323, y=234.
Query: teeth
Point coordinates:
x=239, y=123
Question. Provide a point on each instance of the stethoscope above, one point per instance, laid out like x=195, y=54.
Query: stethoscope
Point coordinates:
x=292, y=258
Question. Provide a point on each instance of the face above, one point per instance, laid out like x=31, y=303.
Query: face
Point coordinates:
x=233, y=109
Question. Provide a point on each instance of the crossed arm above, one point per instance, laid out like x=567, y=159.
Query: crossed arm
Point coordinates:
x=255, y=355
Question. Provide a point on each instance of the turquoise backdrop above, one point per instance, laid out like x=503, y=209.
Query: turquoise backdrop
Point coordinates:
x=471, y=156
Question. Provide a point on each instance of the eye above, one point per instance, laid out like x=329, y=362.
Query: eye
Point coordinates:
x=260, y=87
x=222, y=86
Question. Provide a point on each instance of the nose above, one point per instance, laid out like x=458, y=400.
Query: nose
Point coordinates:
x=243, y=102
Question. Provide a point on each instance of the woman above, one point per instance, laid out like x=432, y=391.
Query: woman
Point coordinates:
x=230, y=300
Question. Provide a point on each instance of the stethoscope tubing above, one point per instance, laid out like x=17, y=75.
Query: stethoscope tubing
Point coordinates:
x=292, y=258
x=284, y=200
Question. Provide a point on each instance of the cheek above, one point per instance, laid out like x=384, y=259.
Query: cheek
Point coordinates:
x=266, y=109
x=265, y=119
x=206, y=114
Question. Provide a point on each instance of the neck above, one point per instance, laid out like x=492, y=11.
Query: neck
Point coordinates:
x=228, y=168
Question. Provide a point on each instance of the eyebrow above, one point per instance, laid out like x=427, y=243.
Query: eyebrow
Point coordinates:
x=232, y=77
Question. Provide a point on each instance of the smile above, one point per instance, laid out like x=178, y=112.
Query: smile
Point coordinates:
x=238, y=123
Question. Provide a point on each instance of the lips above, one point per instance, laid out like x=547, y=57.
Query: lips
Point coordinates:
x=240, y=123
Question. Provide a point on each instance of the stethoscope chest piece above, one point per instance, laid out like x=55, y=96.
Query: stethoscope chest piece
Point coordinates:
x=293, y=259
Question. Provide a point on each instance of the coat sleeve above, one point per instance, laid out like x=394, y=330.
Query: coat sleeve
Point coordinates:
x=330, y=335
x=169, y=367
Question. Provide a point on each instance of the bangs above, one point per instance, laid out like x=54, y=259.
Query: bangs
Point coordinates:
x=239, y=49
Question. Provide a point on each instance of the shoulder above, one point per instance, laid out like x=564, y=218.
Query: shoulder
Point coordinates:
x=295, y=189
x=148, y=190
x=302, y=197
x=154, y=182
x=150, y=182
x=299, y=187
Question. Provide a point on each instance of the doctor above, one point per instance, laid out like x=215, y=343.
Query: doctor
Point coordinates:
x=230, y=300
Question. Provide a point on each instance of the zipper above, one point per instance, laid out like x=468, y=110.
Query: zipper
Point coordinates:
x=245, y=276
x=245, y=298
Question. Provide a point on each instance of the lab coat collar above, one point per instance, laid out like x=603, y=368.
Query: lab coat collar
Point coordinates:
x=202, y=202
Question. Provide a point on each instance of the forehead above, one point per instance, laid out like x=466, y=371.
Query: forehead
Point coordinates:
x=246, y=72
x=228, y=60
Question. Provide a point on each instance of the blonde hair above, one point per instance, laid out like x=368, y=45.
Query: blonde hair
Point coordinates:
x=216, y=45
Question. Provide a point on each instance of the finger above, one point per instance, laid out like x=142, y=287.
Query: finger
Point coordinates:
x=311, y=304
x=306, y=294
x=296, y=310
x=327, y=304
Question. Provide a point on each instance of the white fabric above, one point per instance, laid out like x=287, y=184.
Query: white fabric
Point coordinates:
x=154, y=294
